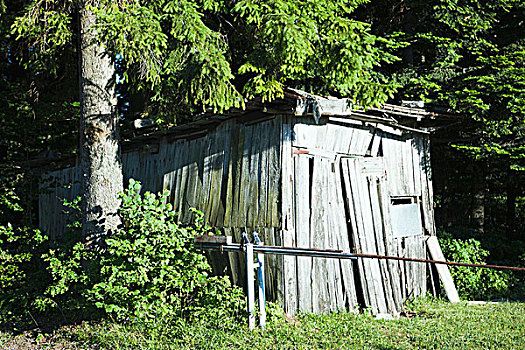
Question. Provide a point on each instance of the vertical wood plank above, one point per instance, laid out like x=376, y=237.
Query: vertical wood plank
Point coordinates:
x=320, y=293
x=253, y=188
x=288, y=231
x=287, y=175
x=263, y=174
x=376, y=141
x=426, y=185
x=274, y=172
x=237, y=197
x=378, y=219
x=342, y=243
x=233, y=181
x=302, y=227
x=368, y=239
x=335, y=280
x=354, y=218
x=390, y=248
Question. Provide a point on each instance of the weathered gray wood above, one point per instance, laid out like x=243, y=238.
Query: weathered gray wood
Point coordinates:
x=263, y=174
x=253, y=200
x=243, y=177
x=289, y=274
x=287, y=175
x=182, y=190
x=238, y=202
x=409, y=267
x=320, y=293
x=392, y=155
x=427, y=195
x=337, y=138
x=274, y=173
x=380, y=242
x=416, y=164
x=443, y=271
x=305, y=133
x=360, y=141
x=232, y=182
x=390, y=248
x=287, y=208
x=233, y=259
x=216, y=206
x=408, y=165
x=222, y=175
x=270, y=279
x=330, y=273
x=376, y=141
x=319, y=135
x=368, y=236
x=302, y=227
x=189, y=200
x=422, y=278
x=237, y=237
x=213, y=239
x=363, y=203
x=342, y=243
x=355, y=226
x=335, y=229
x=178, y=168
x=167, y=185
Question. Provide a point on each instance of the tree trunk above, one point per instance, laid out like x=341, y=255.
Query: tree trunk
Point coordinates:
x=99, y=138
x=511, y=204
x=478, y=199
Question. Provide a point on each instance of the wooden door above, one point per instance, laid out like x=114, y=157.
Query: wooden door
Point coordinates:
x=323, y=285
x=367, y=203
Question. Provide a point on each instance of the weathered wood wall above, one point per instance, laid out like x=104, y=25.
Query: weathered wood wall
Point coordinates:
x=297, y=183
x=232, y=173
x=345, y=173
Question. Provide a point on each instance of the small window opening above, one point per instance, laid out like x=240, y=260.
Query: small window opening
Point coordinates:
x=406, y=216
x=402, y=200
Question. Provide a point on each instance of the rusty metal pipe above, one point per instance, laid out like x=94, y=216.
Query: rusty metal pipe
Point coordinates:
x=339, y=254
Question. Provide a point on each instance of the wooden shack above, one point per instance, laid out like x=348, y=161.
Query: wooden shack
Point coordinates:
x=302, y=171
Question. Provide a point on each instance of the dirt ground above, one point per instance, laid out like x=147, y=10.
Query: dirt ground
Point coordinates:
x=35, y=341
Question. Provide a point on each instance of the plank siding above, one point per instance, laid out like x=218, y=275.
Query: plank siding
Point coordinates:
x=245, y=177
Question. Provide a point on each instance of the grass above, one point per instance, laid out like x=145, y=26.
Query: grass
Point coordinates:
x=428, y=325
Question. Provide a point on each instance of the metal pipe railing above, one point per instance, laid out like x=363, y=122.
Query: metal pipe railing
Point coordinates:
x=249, y=249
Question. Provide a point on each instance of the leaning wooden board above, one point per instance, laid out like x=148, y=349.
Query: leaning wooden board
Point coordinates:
x=443, y=271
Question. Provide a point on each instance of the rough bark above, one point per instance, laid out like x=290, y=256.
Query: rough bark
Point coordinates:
x=478, y=199
x=512, y=192
x=99, y=137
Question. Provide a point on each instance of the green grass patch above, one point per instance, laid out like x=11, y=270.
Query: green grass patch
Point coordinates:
x=429, y=324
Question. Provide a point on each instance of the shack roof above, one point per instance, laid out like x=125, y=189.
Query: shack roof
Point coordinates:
x=298, y=103
x=295, y=103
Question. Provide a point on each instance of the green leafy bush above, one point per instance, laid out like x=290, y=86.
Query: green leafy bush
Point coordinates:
x=21, y=266
x=473, y=283
x=150, y=271
x=20, y=275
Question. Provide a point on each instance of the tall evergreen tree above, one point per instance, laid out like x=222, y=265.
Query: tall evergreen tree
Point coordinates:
x=468, y=56
x=186, y=55
x=99, y=137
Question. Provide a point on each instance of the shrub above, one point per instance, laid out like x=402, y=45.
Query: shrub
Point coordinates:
x=473, y=283
x=22, y=276
x=21, y=269
x=150, y=271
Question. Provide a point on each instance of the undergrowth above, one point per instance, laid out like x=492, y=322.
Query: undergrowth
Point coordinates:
x=148, y=274
x=428, y=324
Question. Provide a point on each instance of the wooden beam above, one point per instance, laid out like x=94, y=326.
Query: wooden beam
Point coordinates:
x=443, y=271
x=213, y=239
